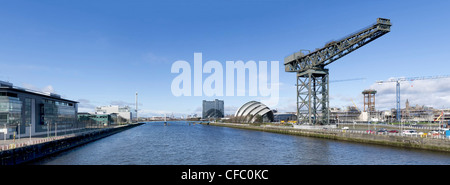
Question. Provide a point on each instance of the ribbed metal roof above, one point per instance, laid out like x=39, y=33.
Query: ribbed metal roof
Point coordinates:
x=250, y=109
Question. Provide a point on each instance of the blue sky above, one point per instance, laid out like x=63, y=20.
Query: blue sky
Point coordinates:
x=102, y=52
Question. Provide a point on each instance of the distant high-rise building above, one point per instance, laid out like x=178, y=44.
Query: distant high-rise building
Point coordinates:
x=213, y=109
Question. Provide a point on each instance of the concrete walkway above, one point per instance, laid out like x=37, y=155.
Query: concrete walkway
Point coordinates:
x=26, y=140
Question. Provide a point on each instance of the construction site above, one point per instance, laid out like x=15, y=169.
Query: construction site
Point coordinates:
x=417, y=114
x=313, y=106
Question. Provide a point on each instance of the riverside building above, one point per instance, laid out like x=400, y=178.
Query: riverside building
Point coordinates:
x=94, y=120
x=124, y=112
x=25, y=112
x=213, y=109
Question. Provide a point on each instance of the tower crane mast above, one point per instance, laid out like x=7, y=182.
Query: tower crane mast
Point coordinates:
x=312, y=76
x=402, y=79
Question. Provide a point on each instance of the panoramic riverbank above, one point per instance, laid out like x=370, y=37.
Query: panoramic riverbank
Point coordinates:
x=412, y=142
x=29, y=152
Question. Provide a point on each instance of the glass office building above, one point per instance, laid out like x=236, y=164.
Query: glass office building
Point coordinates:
x=24, y=112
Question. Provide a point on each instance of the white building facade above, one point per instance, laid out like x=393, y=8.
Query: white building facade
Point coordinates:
x=124, y=112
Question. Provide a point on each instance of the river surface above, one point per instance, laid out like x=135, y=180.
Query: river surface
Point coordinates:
x=182, y=144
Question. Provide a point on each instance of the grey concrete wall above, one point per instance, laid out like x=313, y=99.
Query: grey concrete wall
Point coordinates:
x=389, y=140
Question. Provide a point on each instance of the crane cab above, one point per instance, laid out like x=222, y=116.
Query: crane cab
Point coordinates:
x=384, y=24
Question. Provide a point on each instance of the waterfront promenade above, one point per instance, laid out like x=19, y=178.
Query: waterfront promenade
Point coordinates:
x=7, y=144
x=17, y=151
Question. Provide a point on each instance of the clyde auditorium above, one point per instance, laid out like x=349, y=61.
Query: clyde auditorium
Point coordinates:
x=249, y=111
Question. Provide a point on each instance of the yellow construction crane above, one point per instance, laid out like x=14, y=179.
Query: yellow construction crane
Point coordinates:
x=355, y=105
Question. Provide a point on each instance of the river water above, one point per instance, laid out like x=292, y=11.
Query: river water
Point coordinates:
x=182, y=144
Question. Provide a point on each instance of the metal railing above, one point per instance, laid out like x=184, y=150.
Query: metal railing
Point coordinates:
x=399, y=134
x=12, y=143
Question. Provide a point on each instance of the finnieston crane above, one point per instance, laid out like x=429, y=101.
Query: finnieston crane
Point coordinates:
x=397, y=90
x=312, y=76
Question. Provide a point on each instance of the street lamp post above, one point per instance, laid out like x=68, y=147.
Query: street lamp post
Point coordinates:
x=30, y=130
x=4, y=134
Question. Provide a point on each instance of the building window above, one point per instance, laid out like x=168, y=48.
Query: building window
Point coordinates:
x=10, y=111
x=27, y=111
x=58, y=112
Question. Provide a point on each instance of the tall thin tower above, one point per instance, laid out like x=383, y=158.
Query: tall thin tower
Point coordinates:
x=137, y=118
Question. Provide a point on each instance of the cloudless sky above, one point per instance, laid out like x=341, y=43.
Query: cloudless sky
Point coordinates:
x=100, y=52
